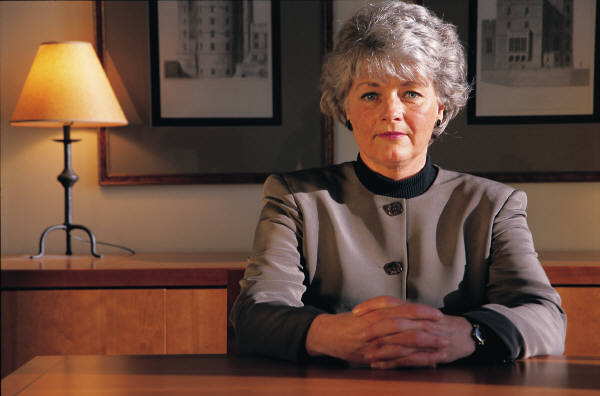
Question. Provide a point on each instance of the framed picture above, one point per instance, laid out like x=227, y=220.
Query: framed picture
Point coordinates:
x=534, y=61
x=281, y=129
x=215, y=62
x=536, y=149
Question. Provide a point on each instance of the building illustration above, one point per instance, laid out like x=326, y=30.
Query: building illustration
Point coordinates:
x=219, y=39
x=530, y=43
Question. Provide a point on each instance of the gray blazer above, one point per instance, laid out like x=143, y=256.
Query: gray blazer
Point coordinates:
x=324, y=243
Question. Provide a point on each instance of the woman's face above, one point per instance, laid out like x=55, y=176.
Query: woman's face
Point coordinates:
x=392, y=121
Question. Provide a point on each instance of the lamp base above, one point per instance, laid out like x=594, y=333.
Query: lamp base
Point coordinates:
x=68, y=228
x=67, y=178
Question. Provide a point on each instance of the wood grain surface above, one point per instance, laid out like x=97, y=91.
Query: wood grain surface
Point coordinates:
x=231, y=375
x=582, y=305
x=196, y=321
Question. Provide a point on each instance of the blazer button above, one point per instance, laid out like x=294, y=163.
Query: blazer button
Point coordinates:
x=393, y=268
x=393, y=209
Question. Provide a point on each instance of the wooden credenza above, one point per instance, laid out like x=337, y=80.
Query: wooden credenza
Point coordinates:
x=179, y=304
x=142, y=304
x=576, y=277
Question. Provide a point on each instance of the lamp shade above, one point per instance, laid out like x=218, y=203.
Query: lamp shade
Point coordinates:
x=67, y=86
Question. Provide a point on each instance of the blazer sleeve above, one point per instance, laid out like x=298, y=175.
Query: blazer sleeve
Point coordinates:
x=269, y=316
x=518, y=287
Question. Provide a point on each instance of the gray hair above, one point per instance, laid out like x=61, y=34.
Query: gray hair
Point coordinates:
x=401, y=40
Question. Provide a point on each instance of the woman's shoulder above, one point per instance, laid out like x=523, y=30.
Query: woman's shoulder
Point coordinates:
x=453, y=180
x=314, y=179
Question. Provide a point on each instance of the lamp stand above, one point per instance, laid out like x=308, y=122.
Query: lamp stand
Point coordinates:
x=67, y=178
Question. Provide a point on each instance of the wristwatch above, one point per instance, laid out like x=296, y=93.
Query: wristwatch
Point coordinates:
x=477, y=336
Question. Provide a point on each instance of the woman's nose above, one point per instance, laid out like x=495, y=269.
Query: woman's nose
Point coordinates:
x=393, y=108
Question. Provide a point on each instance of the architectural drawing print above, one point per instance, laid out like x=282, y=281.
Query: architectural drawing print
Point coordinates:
x=530, y=43
x=219, y=39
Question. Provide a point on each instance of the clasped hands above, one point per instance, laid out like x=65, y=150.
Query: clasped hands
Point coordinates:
x=387, y=332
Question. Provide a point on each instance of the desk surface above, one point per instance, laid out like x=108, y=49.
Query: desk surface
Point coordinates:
x=226, y=260
x=140, y=270
x=209, y=269
x=232, y=375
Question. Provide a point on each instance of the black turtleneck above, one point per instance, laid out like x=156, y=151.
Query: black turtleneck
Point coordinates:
x=405, y=188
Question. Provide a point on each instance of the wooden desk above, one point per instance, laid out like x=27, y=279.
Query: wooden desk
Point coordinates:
x=142, y=304
x=231, y=375
x=179, y=303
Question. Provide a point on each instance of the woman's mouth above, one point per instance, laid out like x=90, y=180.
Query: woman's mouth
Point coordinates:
x=392, y=135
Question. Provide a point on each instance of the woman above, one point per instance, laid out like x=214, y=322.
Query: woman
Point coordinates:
x=389, y=260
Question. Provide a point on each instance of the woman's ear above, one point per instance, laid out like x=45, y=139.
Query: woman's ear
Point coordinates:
x=440, y=112
x=348, y=123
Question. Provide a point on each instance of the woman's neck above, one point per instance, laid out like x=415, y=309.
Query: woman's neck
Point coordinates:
x=409, y=187
x=396, y=171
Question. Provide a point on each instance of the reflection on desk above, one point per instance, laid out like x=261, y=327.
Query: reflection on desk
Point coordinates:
x=229, y=375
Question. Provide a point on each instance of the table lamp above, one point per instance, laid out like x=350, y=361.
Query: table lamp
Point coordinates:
x=67, y=87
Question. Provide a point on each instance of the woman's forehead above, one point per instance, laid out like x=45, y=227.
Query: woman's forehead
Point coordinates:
x=380, y=79
x=388, y=71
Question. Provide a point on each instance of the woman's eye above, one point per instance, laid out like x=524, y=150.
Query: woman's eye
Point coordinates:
x=412, y=95
x=369, y=96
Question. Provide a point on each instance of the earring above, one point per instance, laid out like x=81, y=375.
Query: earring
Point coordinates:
x=348, y=124
x=438, y=123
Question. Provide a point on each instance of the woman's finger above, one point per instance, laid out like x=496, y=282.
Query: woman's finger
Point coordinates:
x=397, y=307
x=382, y=326
x=376, y=303
x=416, y=340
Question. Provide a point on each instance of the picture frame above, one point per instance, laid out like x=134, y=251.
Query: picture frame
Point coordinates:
x=209, y=152
x=528, y=152
x=225, y=47
x=534, y=62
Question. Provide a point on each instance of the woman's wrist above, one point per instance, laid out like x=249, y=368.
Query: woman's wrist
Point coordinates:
x=464, y=340
x=315, y=334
